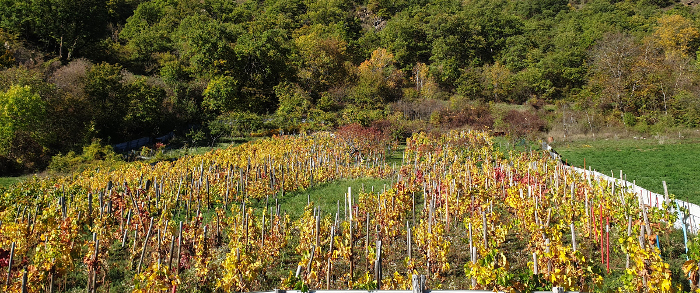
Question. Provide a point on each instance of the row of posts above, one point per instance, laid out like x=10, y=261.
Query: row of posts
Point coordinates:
x=418, y=286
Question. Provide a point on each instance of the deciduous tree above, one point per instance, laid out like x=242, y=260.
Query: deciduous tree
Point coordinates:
x=65, y=27
x=674, y=34
x=22, y=117
x=378, y=81
x=613, y=59
x=322, y=60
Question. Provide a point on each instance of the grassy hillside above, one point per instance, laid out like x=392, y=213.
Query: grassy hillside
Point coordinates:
x=648, y=161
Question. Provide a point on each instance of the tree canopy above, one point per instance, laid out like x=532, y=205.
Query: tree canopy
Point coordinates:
x=121, y=69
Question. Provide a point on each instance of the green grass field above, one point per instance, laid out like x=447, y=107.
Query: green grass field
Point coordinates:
x=326, y=196
x=506, y=145
x=7, y=181
x=648, y=161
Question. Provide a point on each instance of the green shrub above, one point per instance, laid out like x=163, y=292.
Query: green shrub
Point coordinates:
x=684, y=107
x=353, y=114
x=398, y=128
x=629, y=119
x=94, y=155
x=196, y=137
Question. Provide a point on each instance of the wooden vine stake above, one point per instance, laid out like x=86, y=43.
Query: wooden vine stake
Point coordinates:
x=9, y=265
x=92, y=273
x=311, y=260
x=607, y=243
x=573, y=236
x=350, y=202
x=547, y=251
x=408, y=240
x=170, y=254
x=90, y=206
x=24, y=282
x=629, y=232
x=641, y=244
x=413, y=207
x=328, y=275
x=602, y=238
x=318, y=232
x=145, y=243
x=447, y=213
x=473, y=259
x=471, y=244
x=126, y=228
x=352, y=240
x=366, y=243
x=666, y=199
x=378, y=265
x=483, y=217
x=179, y=247
x=330, y=257
x=534, y=264
x=416, y=284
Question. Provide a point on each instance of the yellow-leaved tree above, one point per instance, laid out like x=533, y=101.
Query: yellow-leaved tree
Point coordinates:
x=674, y=34
x=378, y=80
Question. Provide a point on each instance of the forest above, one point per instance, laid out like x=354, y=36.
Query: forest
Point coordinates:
x=76, y=72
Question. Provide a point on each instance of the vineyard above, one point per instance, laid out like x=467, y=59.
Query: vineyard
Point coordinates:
x=457, y=210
